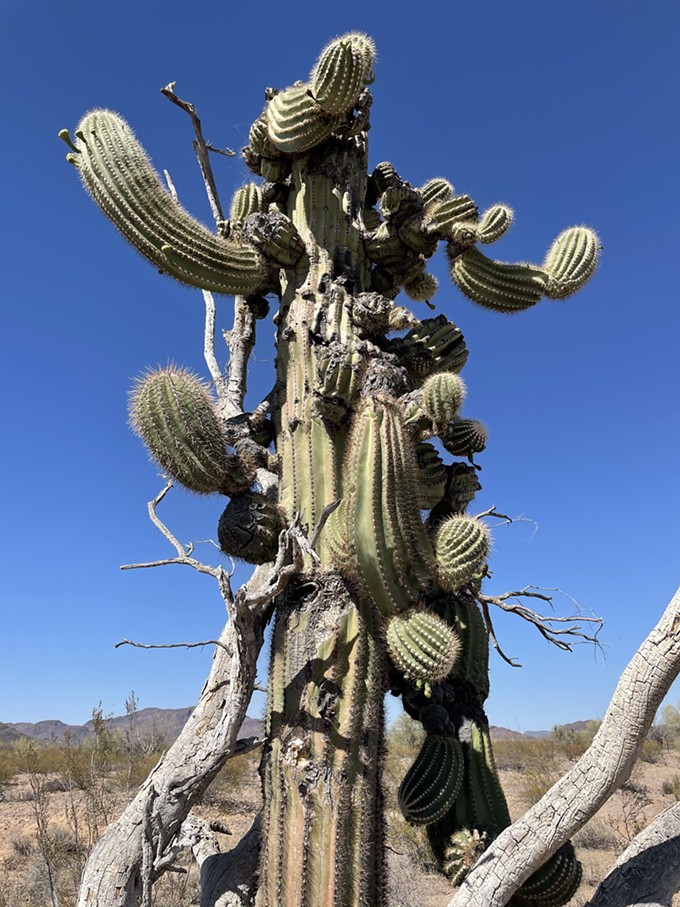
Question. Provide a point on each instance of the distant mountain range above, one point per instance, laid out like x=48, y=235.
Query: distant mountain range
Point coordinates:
x=165, y=724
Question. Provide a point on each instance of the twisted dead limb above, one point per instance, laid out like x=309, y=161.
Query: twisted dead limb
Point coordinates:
x=132, y=854
x=603, y=768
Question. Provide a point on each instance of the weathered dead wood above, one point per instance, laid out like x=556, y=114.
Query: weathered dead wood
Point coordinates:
x=603, y=768
x=114, y=875
x=648, y=871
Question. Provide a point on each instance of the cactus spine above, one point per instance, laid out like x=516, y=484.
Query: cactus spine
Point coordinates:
x=350, y=414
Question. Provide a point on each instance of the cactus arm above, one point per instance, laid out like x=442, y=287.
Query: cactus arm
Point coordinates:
x=116, y=172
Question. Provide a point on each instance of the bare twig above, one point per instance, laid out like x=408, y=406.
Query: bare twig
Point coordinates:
x=171, y=645
x=492, y=635
x=183, y=558
x=201, y=150
x=227, y=152
x=551, y=627
x=171, y=186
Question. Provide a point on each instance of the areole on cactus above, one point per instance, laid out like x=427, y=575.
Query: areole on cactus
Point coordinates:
x=392, y=587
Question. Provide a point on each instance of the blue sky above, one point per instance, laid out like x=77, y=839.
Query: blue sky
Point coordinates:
x=568, y=119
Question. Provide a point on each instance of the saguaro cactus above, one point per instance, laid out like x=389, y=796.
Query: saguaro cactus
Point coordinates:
x=390, y=598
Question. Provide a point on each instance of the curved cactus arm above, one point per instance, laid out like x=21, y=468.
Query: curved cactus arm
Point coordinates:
x=505, y=287
x=117, y=173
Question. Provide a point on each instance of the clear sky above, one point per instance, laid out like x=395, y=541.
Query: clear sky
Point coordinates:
x=568, y=118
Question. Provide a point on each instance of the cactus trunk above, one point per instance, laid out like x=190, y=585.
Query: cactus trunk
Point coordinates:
x=379, y=596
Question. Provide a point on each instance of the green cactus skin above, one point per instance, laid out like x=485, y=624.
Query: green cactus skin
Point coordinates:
x=422, y=288
x=344, y=67
x=433, y=782
x=378, y=530
x=462, y=484
x=434, y=191
x=400, y=202
x=462, y=549
x=471, y=668
x=295, y=121
x=275, y=236
x=421, y=645
x=464, y=849
x=435, y=345
x=345, y=418
x=116, y=172
x=465, y=437
x=432, y=476
x=246, y=200
x=493, y=223
x=323, y=830
x=555, y=883
x=384, y=177
x=571, y=261
x=249, y=528
x=496, y=284
x=385, y=246
x=480, y=804
x=445, y=215
x=171, y=411
x=442, y=397
x=259, y=140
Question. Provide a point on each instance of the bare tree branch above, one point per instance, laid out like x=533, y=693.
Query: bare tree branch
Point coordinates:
x=169, y=645
x=240, y=341
x=553, y=628
x=201, y=151
x=209, y=344
x=580, y=793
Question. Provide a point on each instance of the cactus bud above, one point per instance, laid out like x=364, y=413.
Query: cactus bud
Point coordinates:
x=171, y=411
x=571, y=261
x=465, y=848
x=422, y=288
x=443, y=396
x=465, y=437
x=296, y=123
x=344, y=67
x=493, y=223
x=421, y=645
x=434, y=191
x=246, y=200
x=444, y=215
x=462, y=549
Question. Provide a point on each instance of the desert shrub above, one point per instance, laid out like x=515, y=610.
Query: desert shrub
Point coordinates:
x=237, y=785
x=652, y=751
x=572, y=743
x=672, y=787
x=409, y=841
x=23, y=846
x=597, y=835
x=404, y=736
x=519, y=754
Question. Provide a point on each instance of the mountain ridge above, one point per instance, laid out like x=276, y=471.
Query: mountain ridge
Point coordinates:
x=166, y=724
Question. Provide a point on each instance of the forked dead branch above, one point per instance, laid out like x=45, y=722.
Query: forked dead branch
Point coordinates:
x=349, y=487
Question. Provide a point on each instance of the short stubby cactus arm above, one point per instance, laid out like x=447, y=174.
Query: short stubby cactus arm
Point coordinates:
x=117, y=173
